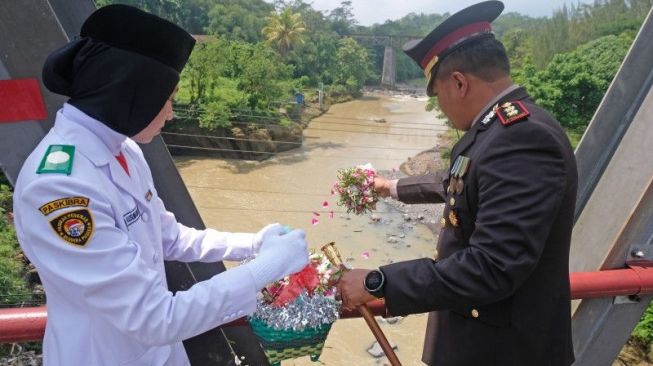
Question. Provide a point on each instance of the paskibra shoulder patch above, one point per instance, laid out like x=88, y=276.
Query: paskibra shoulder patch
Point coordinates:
x=511, y=112
x=74, y=227
x=62, y=203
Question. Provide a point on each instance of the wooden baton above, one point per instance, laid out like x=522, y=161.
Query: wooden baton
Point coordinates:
x=333, y=256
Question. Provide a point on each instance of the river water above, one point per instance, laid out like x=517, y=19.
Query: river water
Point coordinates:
x=237, y=195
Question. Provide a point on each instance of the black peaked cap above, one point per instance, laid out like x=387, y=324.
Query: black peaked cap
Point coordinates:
x=452, y=33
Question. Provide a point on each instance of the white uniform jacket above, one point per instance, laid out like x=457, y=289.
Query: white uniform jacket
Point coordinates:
x=98, y=238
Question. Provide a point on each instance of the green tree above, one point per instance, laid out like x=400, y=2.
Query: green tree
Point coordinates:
x=284, y=30
x=168, y=9
x=512, y=21
x=189, y=14
x=216, y=110
x=353, y=65
x=262, y=75
x=517, y=42
x=238, y=19
x=225, y=75
x=573, y=84
x=314, y=59
x=577, y=25
x=203, y=70
x=342, y=18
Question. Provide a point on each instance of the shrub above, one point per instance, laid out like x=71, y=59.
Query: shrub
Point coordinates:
x=644, y=329
x=13, y=289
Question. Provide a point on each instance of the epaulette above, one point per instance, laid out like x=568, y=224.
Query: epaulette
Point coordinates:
x=511, y=112
x=57, y=159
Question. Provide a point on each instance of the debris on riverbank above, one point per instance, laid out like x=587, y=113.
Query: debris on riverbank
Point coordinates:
x=428, y=161
x=22, y=358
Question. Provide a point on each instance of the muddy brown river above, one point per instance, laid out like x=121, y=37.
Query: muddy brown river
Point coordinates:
x=237, y=195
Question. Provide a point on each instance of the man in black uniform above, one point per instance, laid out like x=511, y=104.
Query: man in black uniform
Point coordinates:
x=498, y=292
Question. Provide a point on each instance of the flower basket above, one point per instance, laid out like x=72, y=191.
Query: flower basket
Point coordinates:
x=285, y=344
x=294, y=315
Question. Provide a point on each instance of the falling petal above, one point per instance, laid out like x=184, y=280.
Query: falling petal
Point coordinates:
x=365, y=255
x=325, y=204
x=314, y=221
x=331, y=214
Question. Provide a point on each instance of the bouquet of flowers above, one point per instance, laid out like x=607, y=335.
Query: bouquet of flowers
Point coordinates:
x=294, y=315
x=355, y=186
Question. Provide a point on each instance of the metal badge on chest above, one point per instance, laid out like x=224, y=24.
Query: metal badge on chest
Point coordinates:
x=455, y=188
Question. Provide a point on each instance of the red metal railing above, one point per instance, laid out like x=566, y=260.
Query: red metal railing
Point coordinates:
x=22, y=324
x=28, y=324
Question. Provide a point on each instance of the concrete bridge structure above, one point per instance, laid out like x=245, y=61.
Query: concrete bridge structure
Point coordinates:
x=391, y=43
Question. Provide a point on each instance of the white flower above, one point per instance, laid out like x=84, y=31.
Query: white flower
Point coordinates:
x=367, y=166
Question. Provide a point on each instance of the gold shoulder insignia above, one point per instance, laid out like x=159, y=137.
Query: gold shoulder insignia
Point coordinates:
x=74, y=227
x=511, y=112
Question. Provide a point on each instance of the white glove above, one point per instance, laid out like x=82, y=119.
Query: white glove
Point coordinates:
x=281, y=254
x=262, y=235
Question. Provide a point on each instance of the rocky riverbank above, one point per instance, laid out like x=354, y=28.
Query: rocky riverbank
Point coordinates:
x=249, y=137
x=428, y=161
x=22, y=358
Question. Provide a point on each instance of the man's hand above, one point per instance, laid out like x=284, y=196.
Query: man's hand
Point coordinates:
x=351, y=289
x=382, y=186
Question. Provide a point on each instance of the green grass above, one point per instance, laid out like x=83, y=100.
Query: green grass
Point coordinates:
x=13, y=288
x=574, y=137
x=644, y=329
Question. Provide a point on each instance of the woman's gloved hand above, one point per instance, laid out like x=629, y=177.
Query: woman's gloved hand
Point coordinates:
x=280, y=255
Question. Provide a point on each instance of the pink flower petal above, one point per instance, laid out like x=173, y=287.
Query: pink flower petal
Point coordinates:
x=325, y=204
x=365, y=255
x=314, y=221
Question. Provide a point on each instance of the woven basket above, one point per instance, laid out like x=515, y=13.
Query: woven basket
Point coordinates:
x=286, y=344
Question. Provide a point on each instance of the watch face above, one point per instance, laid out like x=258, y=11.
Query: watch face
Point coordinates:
x=374, y=280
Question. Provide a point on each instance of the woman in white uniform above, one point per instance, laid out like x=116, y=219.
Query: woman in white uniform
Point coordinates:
x=88, y=216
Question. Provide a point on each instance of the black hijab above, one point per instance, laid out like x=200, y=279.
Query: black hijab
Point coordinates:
x=123, y=68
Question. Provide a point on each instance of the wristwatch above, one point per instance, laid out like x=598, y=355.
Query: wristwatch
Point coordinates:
x=374, y=282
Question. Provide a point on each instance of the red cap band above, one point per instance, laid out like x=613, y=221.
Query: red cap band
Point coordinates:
x=459, y=35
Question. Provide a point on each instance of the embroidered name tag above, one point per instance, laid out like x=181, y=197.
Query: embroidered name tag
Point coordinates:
x=132, y=216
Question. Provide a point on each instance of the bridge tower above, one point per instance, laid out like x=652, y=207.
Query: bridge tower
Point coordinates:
x=391, y=43
x=389, y=76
